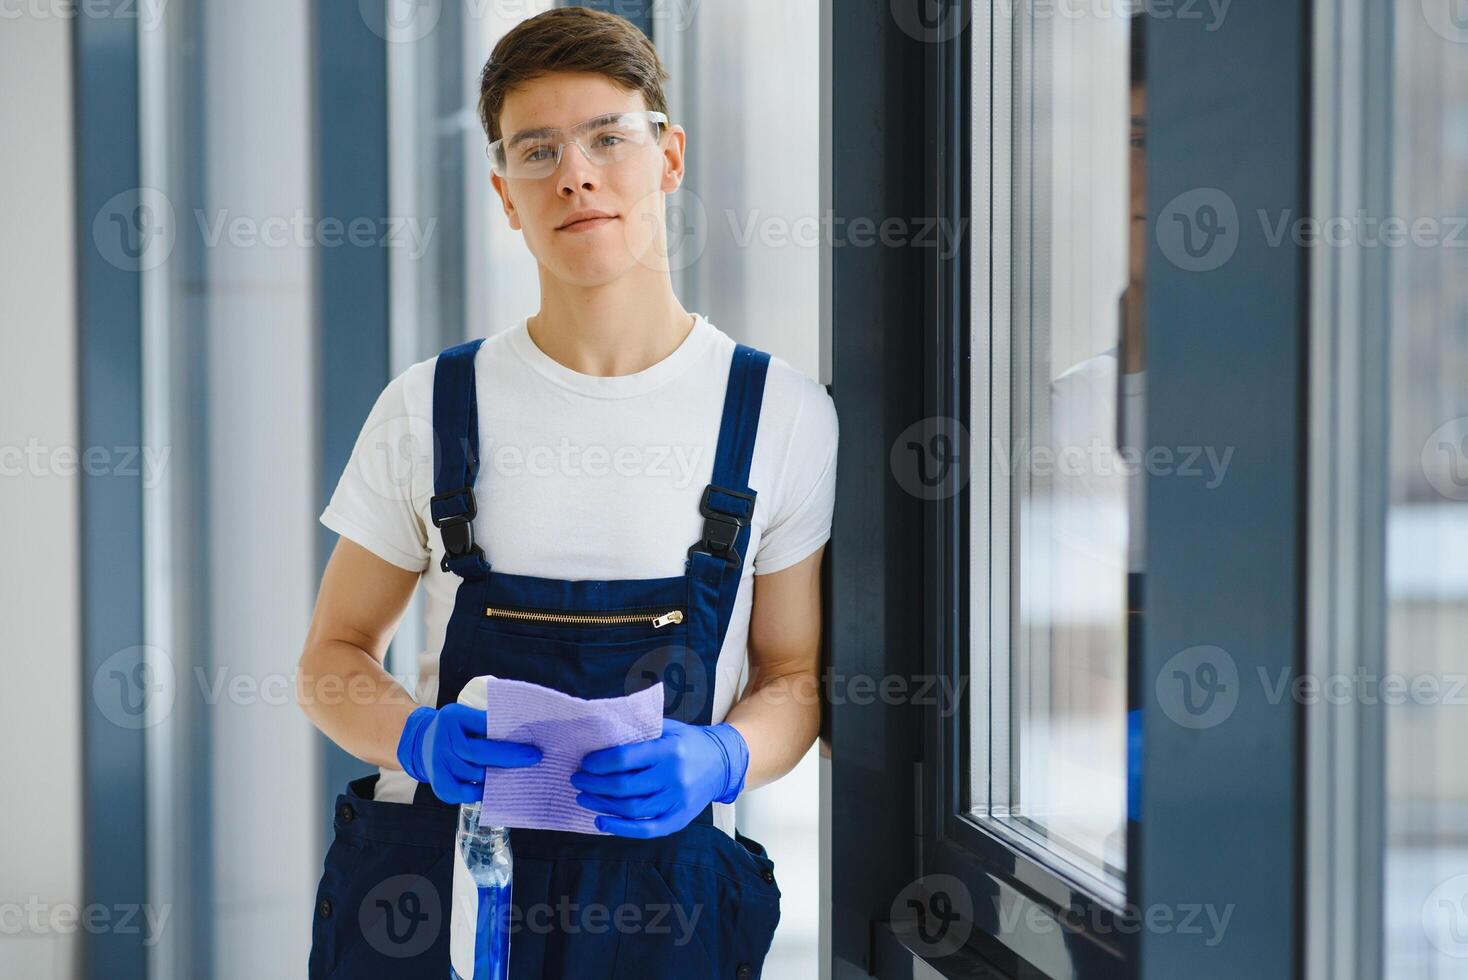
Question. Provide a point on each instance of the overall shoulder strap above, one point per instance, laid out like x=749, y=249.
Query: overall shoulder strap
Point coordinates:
x=456, y=459
x=728, y=501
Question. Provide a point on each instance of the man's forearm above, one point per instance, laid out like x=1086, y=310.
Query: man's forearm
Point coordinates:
x=349, y=696
x=779, y=720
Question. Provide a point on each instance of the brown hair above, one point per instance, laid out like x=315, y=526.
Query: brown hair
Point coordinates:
x=570, y=39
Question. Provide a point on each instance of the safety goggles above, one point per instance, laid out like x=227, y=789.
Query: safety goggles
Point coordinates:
x=605, y=139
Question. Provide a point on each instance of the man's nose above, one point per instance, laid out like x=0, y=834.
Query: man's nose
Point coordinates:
x=576, y=170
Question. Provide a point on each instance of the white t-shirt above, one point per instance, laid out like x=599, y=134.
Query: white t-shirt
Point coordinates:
x=1134, y=393
x=1109, y=491
x=585, y=477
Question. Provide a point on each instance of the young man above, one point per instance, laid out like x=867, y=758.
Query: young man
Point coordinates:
x=611, y=452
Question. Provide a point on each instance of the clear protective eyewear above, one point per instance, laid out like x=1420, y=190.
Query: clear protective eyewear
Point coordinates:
x=603, y=139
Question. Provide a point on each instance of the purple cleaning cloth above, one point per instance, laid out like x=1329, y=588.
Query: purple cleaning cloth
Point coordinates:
x=565, y=729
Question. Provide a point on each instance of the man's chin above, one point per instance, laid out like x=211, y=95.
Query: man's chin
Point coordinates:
x=606, y=266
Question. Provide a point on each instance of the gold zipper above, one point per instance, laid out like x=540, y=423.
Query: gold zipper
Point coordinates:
x=658, y=620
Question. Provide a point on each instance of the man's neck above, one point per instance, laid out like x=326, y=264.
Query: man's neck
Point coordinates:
x=610, y=331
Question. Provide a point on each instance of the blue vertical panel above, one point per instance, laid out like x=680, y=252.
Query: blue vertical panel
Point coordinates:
x=451, y=217
x=638, y=12
x=353, y=360
x=1226, y=355
x=115, y=229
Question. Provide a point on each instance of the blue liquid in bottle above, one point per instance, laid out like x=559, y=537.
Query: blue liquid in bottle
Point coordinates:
x=485, y=853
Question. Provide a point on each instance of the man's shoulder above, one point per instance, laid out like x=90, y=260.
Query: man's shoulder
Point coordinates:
x=798, y=390
x=801, y=411
x=416, y=380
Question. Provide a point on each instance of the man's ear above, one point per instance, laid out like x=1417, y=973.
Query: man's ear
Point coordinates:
x=502, y=188
x=674, y=142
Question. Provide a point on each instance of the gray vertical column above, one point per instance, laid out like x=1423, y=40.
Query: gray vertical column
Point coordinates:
x=115, y=228
x=177, y=503
x=259, y=265
x=1350, y=423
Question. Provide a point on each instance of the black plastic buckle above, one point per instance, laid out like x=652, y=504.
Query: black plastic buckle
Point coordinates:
x=721, y=529
x=457, y=529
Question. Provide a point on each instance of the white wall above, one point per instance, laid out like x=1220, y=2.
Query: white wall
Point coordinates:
x=40, y=647
x=746, y=87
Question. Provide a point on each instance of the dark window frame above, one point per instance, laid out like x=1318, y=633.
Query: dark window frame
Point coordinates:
x=1259, y=152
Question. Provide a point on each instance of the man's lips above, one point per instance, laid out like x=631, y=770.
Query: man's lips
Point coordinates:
x=585, y=224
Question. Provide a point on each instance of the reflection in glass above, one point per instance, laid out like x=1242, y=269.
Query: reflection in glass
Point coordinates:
x=1048, y=756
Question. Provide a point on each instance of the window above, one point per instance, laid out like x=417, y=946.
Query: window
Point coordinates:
x=1390, y=511
x=1056, y=398
x=1425, y=916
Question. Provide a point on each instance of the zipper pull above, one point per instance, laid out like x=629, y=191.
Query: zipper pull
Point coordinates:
x=676, y=616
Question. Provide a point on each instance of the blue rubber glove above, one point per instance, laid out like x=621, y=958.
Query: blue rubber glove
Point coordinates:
x=447, y=748
x=655, y=787
x=1134, y=764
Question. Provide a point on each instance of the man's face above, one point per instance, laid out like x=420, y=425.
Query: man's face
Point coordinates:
x=630, y=190
x=1137, y=181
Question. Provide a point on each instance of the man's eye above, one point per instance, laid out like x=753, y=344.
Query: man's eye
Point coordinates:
x=536, y=153
x=609, y=139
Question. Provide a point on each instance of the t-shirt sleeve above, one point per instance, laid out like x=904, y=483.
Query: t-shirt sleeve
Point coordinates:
x=374, y=500
x=807, y=498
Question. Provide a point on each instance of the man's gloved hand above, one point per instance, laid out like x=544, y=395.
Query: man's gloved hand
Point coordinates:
x=448, y=749
x=655, y=787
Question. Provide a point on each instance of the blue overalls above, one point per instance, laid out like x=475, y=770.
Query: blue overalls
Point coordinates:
x=692, y=904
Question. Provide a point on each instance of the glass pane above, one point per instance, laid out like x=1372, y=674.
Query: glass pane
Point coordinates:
x=1053, y=767
x=1426, y=873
